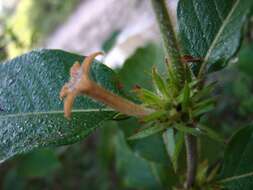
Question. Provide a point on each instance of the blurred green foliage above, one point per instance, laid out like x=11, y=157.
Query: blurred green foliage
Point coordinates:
x=32, y=21
x=235, y=101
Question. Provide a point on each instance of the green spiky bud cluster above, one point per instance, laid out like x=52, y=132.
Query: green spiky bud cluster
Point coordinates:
x=175, y=106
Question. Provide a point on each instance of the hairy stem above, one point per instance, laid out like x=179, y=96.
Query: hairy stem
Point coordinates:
x=179, y=70
x=191, y=153
x=169, y=39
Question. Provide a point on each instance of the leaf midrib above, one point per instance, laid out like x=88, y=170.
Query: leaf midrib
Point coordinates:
x=220, y=31
x=225, y=180
x=55, y=112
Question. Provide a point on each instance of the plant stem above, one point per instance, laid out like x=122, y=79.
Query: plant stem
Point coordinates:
x=169, y=39
x=191, y=153
x=179, y=70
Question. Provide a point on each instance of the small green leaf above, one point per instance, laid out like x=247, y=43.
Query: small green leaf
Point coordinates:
x=204, y=103
x=211, y=133
x=31, y=113
x=186, y=97
x=146, y=132
x=150, y=148
x=205, y=92
x=174, y=144
x=173, y=82
x=169, y=141
x=148, y=97
x=237, y=169
x=203, y=107
x=154, y=116
x=190, y=130
x=201, y=172
x=159, y=83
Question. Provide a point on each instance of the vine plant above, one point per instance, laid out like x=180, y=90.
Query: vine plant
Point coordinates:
x=180, y=100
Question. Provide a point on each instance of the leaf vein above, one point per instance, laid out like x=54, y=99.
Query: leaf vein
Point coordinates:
x=216, y=38
x=56, y=112
x=199, y=23
x=218, y=11
x=236, y=177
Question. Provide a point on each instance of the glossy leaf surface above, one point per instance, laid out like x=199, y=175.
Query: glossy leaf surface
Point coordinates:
x=237, y=171
x=211, y=29
x=31, y=112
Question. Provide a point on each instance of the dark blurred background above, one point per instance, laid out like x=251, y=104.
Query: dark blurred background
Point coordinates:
x=127, y=32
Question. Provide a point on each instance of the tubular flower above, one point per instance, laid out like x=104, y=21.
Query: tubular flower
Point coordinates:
x=80, y=84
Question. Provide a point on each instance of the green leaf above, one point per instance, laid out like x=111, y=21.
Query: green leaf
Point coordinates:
x=40, y=163
x=146, y=132
x=245, y=60
x=186, y=96
x=174, y=144
x=148, y=97
x=211, y=133
x=154, y=116
x=159, y=83
x=110, y=41
x=203, y=107
x=31, y=113
x=210, y=150
x=150, y=148
x=212, y=29
x=135, y=171
x=136, y=69
x=205, y=92
x=237, y=170
x=164, y=174
x=193, y=131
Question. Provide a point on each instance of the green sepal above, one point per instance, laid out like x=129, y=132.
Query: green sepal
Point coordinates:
x=146, y=132
x=190, y=130
x=154, y=116
x=159, y=83
x=186, y=97
x=206, y=91
x=203, y=107
x=149, y=98
x=174, y=144
x=211, y=133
